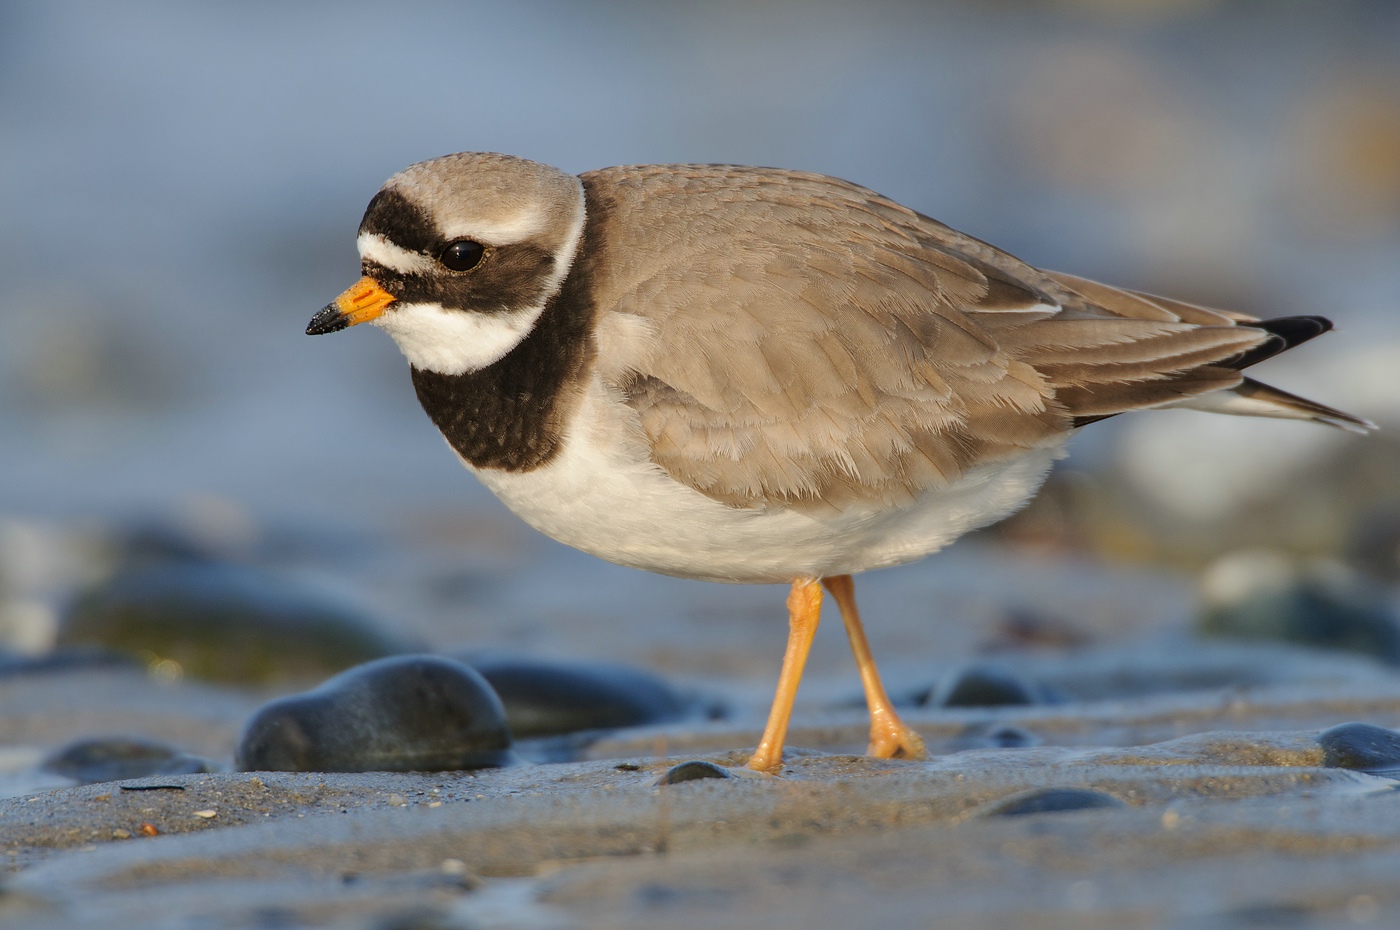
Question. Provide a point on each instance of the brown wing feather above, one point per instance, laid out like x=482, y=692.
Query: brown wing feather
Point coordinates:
x=812, y=343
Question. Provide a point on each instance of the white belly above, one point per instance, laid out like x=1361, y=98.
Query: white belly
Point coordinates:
x=623, y=508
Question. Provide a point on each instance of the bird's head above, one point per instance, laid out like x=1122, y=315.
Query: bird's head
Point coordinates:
x=460, y=254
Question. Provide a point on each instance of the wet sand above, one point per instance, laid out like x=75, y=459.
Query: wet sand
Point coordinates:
x=1223, y=813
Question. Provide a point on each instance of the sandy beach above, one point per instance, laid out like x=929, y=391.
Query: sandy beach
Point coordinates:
x=1201, y=795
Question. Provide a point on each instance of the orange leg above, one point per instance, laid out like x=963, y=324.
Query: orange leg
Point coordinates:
x=804, y=610
x=889, y=736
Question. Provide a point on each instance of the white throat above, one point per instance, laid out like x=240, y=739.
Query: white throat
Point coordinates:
x=454, y=342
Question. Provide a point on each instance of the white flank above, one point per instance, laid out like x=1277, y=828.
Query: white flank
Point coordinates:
x=602, y=495
x=454, y=342
x=375, y=248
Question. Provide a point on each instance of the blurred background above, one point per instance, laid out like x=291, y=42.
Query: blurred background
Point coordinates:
x=180, y=186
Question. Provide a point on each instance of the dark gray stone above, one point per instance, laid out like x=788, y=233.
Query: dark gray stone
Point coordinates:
x=985, y=686
x=995, y=736
x=1051, y=801
x=115, y=758
x=401, y=714
x=79, y=659
x=1317, y=610
x=693, y=771
x=555, y=698
x=1362, y=747
x=226, y=622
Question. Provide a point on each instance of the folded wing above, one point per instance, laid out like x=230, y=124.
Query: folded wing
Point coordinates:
x=811, y=343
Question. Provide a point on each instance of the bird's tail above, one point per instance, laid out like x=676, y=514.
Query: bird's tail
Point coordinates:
x=1252, y=398
x=1255, y=399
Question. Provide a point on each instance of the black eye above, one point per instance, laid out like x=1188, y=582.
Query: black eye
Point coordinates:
x=462, y=255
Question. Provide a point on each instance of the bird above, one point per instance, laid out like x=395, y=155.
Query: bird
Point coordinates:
x=759, y=375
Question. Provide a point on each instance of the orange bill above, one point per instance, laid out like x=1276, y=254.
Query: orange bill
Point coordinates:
x=364, y=301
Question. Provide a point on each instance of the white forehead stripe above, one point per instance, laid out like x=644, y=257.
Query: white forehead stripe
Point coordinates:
x=526, y=224
x=375, y=248
x=452, y=342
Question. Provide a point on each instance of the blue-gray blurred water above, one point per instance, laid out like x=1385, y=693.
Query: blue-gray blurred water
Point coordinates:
x=180, y=186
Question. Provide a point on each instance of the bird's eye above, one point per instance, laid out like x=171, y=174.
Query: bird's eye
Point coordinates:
x=462, y=255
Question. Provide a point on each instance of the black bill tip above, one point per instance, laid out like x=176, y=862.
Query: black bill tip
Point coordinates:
x=328, y=320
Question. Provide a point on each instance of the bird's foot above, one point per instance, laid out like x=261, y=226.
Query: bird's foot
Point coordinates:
x=892, y=738
x=766, y=759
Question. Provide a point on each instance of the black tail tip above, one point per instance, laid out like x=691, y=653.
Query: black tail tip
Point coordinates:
x=1295, y=330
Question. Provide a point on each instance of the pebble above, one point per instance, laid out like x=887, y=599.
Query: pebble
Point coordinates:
x=1374, y=547
x=984, y=686
x=1260, y=594
x=555, y=698
x=1362, y=747
x=1024, y=630
x=995, y=736
x=1051, y=801
x=78, y=659
x=405, y=713
x=90, y=761
x=693, y=771
x=225, y=622
x=423, y=917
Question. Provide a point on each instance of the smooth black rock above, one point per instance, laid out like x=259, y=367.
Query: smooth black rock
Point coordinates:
x=693, y=771
x=402, y=714
x=985, y=686
x=79, y=659
x=1051, y=801
x=1009, y=737
x=1374, y=547
x=1362, y=747
x=421, y=918
x=1307, y=605
x=995, y=736
x=226, y=622
x=556, y=698
x=112, y=759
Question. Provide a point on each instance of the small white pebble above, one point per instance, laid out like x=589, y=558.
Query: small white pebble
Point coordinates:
x=1082, y=895
x=1170, y=820
x=121, y=834
x=209, y=814
x=435, y=804
x=396, y=800
x=453, y=867
x=166, y=671
x=1363, y=909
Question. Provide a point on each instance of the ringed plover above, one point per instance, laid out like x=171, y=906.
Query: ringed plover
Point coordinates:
x=756, y=375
